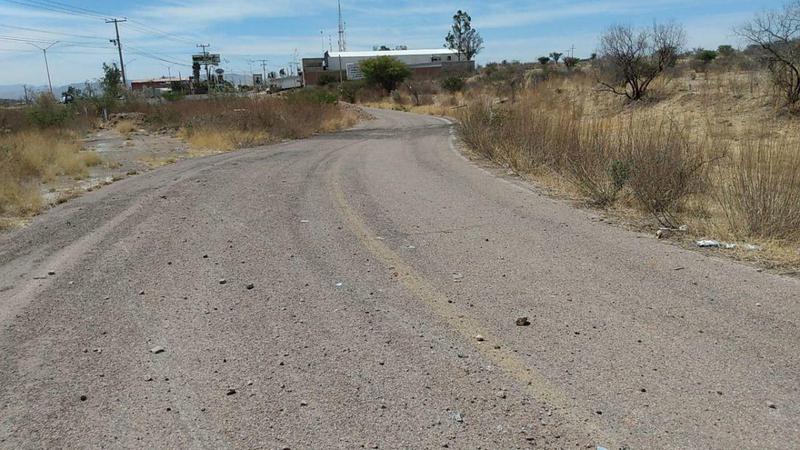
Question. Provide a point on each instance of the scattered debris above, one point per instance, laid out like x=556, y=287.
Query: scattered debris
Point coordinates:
x=157, y=349
x=522, y=322
x=500, y=394
x=339, y=284
x=710, y=243
x=457, y=417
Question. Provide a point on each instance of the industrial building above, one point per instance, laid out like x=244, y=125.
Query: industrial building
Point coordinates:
x=158, y=84
x=423, y=63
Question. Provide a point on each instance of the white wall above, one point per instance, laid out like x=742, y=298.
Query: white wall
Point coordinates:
x=410, y=60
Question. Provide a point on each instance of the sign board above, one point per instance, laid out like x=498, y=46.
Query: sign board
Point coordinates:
x=258, y=80
x=354, y=72
x=212, y=59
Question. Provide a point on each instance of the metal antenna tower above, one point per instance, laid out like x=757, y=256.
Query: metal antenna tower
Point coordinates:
x=342, y=44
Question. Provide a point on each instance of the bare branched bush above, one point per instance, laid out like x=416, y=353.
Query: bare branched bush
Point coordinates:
x=777, y=33
x=596, y=165
x=666, y=166
x=631, y=60
x=477, y=126
x=761, y=197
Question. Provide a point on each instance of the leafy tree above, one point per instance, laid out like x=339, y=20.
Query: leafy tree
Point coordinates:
x=111, y=84
x=453, y=84
x=555, y=56
x=777, y=34
x=462, y=37
x=726, y=50
x=632, y=59
x=571, y=62
x=543, y=60
x=706, y=56
x=384, y=71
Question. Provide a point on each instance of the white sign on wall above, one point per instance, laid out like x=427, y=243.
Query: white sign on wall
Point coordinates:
x=354, y=72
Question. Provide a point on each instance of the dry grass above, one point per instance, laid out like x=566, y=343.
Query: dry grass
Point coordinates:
x=29, y=158
x=714, y=152
x=125, y=127
x=227, y=123
x=761, y=193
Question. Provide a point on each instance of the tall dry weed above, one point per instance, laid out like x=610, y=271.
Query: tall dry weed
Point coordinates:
x=760, y=191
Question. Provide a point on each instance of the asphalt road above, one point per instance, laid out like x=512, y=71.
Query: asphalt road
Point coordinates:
x=359, y=270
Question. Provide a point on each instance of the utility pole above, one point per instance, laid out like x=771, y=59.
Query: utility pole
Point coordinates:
x=263, y=70
x=205, y=60
x=118, y=43
x=46, y=66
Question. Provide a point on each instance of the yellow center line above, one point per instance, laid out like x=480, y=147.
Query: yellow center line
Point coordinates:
x=535, y=383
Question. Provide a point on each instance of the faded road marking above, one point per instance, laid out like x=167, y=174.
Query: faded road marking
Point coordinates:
x=536, y=384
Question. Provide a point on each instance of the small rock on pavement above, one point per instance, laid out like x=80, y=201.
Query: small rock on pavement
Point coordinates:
x=500, y=394
x=523, y=322
x=230, y=391
x=458, y=417
x=157, y=349
x=51, y=272
x=223, y=281
x=250, y=286
x=479, y=338
x=304, y=403
x=772, y=405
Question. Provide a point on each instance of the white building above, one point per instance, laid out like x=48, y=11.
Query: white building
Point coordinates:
x=414, y=59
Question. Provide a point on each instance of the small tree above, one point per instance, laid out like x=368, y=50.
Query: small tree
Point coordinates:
x=452, y=84
x=462, y=37
x=384, y=71
x=543, y=60
x=571, y=62
x=706, y=56
x=726, y=51
x=633, y=59
x=777, y=33
x=111, y=84
x=555, y=56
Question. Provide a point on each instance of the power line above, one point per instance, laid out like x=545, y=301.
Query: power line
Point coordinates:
x=59, y=33
x=46, y=65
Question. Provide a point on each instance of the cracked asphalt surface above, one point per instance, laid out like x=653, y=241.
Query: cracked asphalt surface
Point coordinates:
x=360, y=289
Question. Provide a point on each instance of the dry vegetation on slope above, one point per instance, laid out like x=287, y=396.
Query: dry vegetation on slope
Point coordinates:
x=43, y=141
x=712, y=150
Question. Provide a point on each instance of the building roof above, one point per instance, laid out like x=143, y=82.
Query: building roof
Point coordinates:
x=372, y=53
x=160, y=80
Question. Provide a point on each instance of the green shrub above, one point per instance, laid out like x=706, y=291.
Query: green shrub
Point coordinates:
x=385, y=71
x=173, y=96
x=453, y=84
x=46, y=112
x=312, y=95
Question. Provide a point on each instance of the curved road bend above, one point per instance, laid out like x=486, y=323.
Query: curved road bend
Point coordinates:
x=359, y=270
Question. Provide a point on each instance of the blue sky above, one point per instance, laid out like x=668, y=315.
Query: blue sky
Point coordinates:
x=244, y=30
